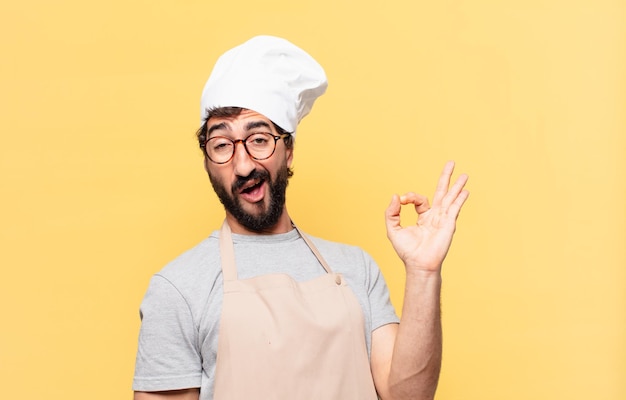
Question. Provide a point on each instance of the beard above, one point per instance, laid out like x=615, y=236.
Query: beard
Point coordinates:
x=266, y=218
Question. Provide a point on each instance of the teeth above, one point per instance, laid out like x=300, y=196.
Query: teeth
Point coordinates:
x=250, y=185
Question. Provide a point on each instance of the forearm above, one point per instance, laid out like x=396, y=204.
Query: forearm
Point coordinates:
x=416, y=360
x=412, y=352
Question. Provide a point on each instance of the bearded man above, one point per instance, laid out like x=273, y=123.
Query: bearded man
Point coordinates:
x=260, y=310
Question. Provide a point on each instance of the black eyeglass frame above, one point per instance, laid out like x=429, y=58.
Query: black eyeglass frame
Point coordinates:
x=243, y=141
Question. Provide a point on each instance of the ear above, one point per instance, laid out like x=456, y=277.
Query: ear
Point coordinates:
x=289, y=157
x=206, y=165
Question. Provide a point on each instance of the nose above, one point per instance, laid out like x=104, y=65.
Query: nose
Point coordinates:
x=243, y=164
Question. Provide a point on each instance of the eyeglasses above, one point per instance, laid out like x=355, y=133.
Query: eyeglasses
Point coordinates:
x=260, y=146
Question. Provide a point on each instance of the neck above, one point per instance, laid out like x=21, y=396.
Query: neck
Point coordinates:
x=282, y=226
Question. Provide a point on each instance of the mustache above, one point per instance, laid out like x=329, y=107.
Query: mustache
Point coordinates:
x=255, y=174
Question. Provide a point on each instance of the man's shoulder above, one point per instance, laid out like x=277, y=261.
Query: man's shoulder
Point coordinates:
x=339, y=250
x=184, y=287
x=195, y=264
x=333, y=244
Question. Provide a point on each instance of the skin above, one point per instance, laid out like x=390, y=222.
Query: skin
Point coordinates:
x=405, y=357
x=242, y=165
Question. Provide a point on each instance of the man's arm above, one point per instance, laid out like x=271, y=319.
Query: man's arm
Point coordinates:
x=185, y=394
x=406, y=358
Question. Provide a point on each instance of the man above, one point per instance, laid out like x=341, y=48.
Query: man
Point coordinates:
x=261, y=311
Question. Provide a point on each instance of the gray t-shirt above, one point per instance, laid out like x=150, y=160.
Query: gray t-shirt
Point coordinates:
x=180, y=312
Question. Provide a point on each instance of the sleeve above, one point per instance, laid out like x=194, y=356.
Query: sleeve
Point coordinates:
x=382, y=310
x=167, y=356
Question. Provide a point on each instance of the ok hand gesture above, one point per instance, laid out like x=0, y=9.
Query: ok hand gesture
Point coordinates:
x=424, y=245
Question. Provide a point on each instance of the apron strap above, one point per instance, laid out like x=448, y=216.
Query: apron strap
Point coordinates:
x=316, y=252
x=227, y=251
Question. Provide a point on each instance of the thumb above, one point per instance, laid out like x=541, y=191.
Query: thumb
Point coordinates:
x=392, y=214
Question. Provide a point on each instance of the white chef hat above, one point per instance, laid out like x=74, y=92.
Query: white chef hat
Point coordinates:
x=268, y=75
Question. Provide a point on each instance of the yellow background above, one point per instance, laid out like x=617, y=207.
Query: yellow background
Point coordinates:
x=102, y=183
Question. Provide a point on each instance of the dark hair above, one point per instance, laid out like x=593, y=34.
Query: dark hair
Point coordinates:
x=230, y=112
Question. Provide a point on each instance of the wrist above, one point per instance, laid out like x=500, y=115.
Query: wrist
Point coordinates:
x=423, y=274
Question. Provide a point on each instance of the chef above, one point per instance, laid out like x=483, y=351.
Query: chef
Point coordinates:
x=261, y=310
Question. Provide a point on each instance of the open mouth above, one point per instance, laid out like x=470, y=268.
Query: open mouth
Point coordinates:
x=253, y=191
x=251, y=186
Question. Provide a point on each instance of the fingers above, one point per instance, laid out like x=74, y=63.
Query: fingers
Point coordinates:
x=448, y=199
x=393, y=210
x=392, y=214
x=445, y=195
x=420, y=201
x=454, y=192
x=443, y=183
x=455, y=207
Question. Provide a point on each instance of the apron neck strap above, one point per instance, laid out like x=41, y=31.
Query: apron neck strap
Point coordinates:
x=227, y=252
x=314, y=250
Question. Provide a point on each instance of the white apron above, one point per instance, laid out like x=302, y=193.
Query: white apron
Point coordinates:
x=285, y=340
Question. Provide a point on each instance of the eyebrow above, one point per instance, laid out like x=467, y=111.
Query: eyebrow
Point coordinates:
x=251, y=125
x=215, y=127
x=257, y=124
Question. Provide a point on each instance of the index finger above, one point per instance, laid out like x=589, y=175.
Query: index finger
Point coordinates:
x=420, y=201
